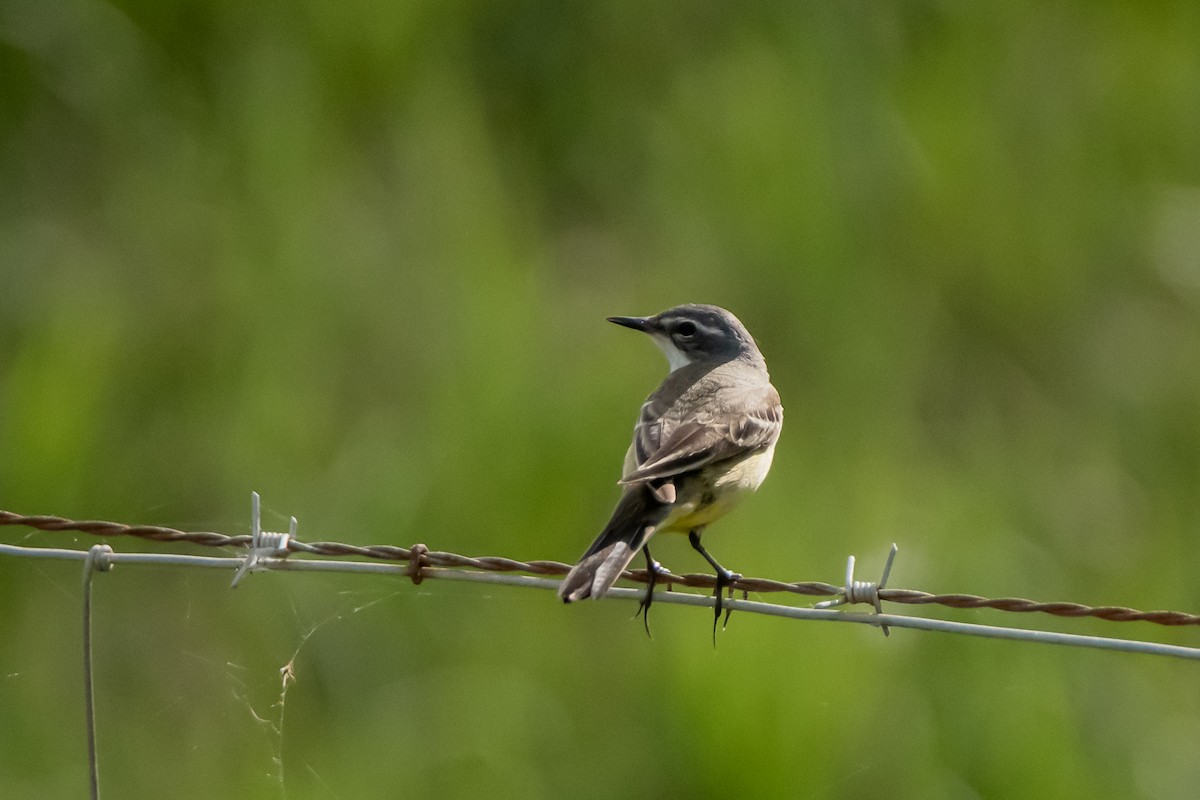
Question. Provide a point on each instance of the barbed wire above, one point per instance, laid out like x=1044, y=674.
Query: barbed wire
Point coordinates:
x=270, y=551
x=102, y=557
x=420, y=558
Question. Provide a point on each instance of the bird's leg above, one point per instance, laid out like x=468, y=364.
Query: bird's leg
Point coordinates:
x=654, y=569
x=724, y=578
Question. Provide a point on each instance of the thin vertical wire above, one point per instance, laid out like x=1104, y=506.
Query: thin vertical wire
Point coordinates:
x=97, y=558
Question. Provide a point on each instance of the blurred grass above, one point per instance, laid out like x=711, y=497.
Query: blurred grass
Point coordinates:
x=358, y=257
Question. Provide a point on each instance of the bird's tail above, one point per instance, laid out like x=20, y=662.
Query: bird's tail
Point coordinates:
x=637, y=515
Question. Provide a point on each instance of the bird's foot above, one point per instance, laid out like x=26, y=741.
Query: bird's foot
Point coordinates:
x=653, y=570
x=725, y=579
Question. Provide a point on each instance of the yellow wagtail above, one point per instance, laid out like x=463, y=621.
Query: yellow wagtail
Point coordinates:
x=704, y=439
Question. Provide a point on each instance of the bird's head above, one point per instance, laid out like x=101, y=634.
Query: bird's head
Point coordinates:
x=692, y=333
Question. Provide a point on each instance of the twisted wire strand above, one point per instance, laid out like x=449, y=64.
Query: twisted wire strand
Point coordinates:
x=437, y=558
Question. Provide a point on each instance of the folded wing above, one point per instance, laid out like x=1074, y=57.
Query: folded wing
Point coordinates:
x=694, y=444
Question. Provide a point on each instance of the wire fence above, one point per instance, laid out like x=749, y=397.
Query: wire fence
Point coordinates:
x=102, y=558
x=269, y=551
x=272, y=551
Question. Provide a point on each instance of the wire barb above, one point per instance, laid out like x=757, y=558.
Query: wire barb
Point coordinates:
x=416, y=563
x=263, y=544
x=864, y=591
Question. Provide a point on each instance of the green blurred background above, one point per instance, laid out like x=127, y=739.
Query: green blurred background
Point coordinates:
x=358, y=255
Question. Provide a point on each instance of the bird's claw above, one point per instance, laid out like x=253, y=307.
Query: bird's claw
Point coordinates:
x=725, y=580
x=654, y=569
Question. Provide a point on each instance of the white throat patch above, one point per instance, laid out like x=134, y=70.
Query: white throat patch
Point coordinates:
x=675, y=356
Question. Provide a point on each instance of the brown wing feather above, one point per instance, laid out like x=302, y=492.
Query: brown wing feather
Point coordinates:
x=696, y=443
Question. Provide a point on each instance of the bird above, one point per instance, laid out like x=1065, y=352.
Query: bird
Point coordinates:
x=704, y=439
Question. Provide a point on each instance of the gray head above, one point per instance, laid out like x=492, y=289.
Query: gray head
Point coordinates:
x=696, y=333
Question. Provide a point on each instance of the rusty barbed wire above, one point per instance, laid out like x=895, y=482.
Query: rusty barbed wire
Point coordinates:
x=437, y=558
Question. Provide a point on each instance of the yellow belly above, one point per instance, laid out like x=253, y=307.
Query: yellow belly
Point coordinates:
x=710, y=494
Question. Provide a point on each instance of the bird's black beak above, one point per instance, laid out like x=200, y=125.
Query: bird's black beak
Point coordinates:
x=643, y=324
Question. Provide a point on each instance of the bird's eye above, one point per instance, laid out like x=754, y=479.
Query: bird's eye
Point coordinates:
x=686, y=329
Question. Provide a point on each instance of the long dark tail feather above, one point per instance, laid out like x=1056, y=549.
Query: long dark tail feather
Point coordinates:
x=633, y=522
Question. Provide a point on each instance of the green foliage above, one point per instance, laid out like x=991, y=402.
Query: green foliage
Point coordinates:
x=357, y=256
